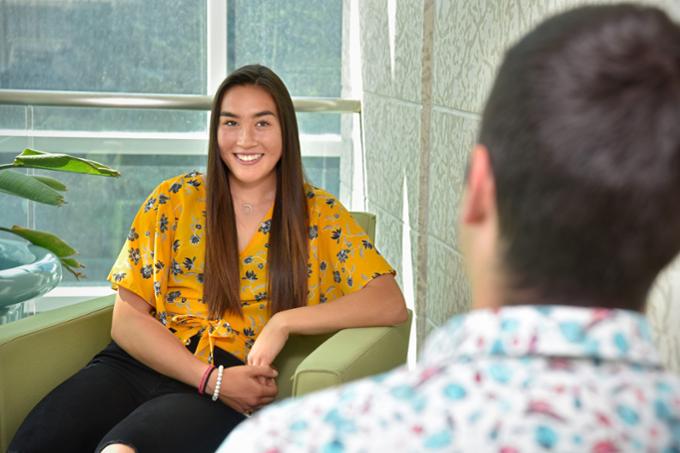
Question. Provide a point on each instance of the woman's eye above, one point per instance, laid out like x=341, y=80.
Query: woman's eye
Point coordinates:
x=230, y=123
x=263, y=123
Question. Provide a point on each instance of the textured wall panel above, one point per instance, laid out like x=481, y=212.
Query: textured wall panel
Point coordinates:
x=452, y=139
x=392, y=58
x=448, y=291
x=663, y=312
x=392, y=136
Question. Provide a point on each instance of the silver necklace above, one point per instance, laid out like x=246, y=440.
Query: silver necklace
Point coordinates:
x=247, y=208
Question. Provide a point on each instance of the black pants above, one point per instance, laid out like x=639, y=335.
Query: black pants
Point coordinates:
x=116, y=399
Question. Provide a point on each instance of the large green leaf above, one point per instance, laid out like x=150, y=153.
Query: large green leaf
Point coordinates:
x=52, y=243
x=71, y=264
x=26, y=186
x=53, y=183
x=31, y=158
x=43, y=239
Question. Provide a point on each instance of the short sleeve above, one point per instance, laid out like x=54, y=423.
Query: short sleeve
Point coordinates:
x=349, y=260
x=142, y=264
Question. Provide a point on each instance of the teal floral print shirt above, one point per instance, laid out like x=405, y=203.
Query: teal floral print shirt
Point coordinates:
x=517, y=379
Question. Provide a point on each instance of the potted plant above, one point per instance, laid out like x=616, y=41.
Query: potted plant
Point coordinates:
x=47, y=190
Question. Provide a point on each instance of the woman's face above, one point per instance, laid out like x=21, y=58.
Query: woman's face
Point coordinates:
x=249, y=135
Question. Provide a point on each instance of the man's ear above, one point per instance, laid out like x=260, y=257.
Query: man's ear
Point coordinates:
x=479, y=200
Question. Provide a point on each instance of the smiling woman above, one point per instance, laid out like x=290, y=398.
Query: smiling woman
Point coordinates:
x=216, y=273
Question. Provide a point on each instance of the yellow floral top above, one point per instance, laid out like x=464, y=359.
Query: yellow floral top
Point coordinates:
x=163, y=257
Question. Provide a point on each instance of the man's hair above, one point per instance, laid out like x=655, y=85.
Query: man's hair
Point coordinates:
x=583, y=130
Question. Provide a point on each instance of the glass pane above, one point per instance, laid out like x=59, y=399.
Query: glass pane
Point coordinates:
x=323, y=172
x=301, y=40
x=145, y=46
x=91, y=119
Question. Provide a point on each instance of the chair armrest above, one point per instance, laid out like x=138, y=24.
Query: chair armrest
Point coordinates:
x=39, y=352
x=352, y=354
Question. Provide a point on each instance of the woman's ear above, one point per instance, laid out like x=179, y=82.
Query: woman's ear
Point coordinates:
x=479, y=200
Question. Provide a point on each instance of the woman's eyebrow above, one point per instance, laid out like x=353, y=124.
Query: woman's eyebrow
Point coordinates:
x=256, y=115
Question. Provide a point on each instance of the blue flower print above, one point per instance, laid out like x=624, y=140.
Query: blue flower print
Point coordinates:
x=195, y=239
x=621, y=343
x=163, y=225
x=147, y=271
x=342, y=255
x=627, y=414
x=313, y=232
x=134, y=256
x=119, y=276
x=322, y=265
x=175, y=245
x=454, y=392
x=265, y=227
x=195, y=183
x=249, y=332
x=189, y=263
x=132, y=235
x=250, y=275
x=175, y=187
x=172, y=295
x=248, y=260
x=336, y=277
x=336, y=234
x=162, y=199
x=572, y=331
x=545, y=436
x=439, y=440
x=367, y=244
x=176, y=270
x=149, y=204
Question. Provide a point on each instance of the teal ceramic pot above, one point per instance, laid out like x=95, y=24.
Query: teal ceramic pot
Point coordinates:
x=26, y=271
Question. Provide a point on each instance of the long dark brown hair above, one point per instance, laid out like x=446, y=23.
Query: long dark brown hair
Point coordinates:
x=287, y=252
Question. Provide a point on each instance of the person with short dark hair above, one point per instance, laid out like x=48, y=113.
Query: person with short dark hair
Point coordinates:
x=570, y=211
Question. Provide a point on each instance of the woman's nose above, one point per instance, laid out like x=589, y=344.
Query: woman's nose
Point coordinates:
x=246, y=138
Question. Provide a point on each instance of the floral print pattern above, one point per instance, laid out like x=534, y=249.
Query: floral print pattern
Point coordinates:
x=162, y=261
x=517, y=379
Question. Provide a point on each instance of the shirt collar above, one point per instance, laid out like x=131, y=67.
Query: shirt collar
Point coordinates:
x=545, y=330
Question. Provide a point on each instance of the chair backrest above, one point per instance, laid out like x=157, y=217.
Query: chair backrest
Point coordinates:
x=366, y=220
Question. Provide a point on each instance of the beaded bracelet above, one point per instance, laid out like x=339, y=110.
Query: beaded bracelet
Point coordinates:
x=218, y=384
x=204, y=379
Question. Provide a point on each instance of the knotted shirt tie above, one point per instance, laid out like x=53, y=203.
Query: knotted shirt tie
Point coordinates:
x=187, y=326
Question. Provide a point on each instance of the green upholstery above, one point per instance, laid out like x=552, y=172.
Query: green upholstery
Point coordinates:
x=39, y=352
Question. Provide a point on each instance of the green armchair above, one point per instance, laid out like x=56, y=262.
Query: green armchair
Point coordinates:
x=39, y=352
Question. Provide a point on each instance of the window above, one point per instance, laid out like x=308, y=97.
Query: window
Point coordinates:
x=151, y=46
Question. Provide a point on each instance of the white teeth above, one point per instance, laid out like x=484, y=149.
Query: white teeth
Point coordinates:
x=248, y=157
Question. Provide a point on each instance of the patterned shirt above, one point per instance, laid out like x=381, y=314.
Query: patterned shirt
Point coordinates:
x=517, y=379
x=162, y=262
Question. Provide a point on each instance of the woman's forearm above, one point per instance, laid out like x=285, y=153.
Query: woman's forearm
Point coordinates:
x=147, y=340
x=379, y=303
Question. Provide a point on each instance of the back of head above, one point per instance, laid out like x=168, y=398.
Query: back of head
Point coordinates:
x=583, y=131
